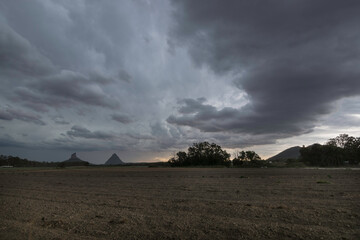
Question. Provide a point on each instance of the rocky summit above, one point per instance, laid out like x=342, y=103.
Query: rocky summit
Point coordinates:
x=74, y=158
x=114, y=160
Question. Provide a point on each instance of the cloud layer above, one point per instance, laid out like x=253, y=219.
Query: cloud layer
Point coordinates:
x=147, y=78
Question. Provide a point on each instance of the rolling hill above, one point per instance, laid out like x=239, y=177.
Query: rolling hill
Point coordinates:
x=290, y=153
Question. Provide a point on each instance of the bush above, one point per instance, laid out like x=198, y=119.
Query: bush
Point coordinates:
x=248, y=159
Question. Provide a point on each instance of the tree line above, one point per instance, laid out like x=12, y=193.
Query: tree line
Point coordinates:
x=23, y=162
x=209, y=154
x=343, y=149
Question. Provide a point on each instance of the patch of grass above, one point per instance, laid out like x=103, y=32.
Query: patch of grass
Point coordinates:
x=322, y=182
x=329, y=176
x=117, y=221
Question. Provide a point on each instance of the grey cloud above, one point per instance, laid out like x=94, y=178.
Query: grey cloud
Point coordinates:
x=63, y=143
x=138, y=136
x=244, y=120
x=100, y=79
x=347, y=114
x=18, y=55
x=5, y=115
x=34, y=100
x=72, y=145
x=225, y=139
x=76, y=87
x=195, y=113
x=8, y=141
x=84, y=138
x=81, y=132
x=122, y=118
x=60, y=121
x=163, y=137
x=9, y=114
x=82, y=60
x=65, y=89
x=32, y=59
x=293, y=61
x=192, y=105
x=123, y=75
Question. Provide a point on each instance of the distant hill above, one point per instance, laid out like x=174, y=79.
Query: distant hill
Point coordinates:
x=75, y=161
x=114, y=160
x=290, y=153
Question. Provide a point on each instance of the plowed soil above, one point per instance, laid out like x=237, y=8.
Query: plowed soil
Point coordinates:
x=179, y=203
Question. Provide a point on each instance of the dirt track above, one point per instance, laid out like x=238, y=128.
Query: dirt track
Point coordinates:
x=156, y=203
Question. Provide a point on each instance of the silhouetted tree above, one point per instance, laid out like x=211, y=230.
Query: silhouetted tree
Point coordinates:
x=350, y=147
x=335, y=152
x=179, y=160
x=342, y=141
x=246, y=158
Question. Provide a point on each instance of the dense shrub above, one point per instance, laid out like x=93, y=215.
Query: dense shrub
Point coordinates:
x=247, y=159
x=203, y=153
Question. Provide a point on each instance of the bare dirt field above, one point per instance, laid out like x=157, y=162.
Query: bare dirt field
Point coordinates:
x=179, y=203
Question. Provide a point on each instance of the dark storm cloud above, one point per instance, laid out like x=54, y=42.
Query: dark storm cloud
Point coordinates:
x=206, y=117
x=292, y=58
x=81, y=132
x=8, y=141
x=122, y=118
x=9, y=114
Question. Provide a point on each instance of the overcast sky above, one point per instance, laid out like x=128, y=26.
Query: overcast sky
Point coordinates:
x=145, y=79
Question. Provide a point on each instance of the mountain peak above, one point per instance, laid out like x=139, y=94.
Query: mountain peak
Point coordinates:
x=114, y=160
x=74, y=158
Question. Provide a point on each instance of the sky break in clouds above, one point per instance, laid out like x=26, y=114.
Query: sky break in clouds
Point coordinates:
x=147, y=78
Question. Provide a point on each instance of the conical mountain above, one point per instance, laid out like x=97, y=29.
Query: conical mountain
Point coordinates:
x=114, y=160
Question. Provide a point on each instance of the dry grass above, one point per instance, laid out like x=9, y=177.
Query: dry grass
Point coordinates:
x=201, y=203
